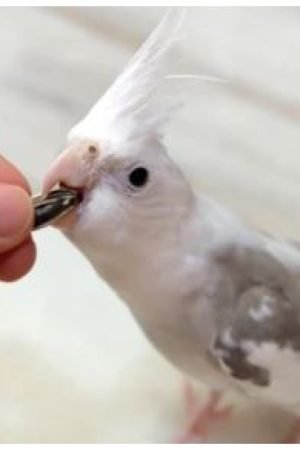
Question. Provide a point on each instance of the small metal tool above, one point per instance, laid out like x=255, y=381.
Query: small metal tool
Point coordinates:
x=54, y=206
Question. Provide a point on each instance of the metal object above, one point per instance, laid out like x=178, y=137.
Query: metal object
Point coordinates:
x=57, y=203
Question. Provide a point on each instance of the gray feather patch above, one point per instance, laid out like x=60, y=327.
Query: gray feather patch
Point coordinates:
x=262, y=316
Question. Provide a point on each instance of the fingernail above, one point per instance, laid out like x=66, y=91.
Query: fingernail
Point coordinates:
x=15, y=211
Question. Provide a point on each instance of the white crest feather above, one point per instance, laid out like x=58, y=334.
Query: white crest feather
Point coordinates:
x=128, y=109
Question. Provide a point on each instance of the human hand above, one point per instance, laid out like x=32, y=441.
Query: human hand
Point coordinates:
x=17, y=249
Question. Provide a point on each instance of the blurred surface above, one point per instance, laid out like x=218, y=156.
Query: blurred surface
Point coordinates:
x=74, y=366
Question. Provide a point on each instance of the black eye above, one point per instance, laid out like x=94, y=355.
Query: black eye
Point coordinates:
x=139, y=176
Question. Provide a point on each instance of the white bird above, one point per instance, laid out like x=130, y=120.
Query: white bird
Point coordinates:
x=218, y=299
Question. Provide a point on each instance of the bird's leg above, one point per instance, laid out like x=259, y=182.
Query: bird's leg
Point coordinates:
x=200, y=417
x=293, y=436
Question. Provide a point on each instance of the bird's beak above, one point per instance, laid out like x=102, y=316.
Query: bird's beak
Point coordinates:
x=73, y=168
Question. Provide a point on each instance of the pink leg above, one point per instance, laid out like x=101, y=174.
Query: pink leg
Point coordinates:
x=293, y=436
x=200, y=418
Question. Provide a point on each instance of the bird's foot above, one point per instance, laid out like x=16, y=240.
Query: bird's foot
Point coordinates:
x=201, y=417
x=293, y=436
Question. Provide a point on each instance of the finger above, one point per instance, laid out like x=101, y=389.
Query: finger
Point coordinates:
x=16, y=263
x=9, y=174
x=16, y=216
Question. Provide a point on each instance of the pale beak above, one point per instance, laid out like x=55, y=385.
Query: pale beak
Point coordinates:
x=73, y=169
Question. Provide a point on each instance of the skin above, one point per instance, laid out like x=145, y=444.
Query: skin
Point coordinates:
x=17, y=249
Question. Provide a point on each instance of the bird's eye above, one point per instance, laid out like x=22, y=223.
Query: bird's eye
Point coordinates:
x=139, y=177
x=92, y=150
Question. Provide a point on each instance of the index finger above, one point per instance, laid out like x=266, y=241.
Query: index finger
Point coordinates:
x=9, y=174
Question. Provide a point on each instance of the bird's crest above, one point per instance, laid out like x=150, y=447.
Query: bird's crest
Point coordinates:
x=129, y=110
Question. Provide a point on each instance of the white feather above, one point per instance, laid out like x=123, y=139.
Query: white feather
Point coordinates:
x=129, y=109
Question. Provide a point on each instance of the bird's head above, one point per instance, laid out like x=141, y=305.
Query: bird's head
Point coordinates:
x=116, y=156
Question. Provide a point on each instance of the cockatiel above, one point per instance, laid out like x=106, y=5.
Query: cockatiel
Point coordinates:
x=218, y=299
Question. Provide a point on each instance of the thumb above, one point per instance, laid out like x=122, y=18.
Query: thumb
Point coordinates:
x=16, y=216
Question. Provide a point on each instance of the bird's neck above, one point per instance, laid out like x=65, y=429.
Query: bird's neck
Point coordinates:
x=130, y=264
x=137, y=266
x=147, y=270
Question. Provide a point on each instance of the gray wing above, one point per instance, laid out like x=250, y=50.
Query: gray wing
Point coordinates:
x=258, y=344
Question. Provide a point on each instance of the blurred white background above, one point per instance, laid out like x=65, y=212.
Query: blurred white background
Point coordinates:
x=73, y=365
